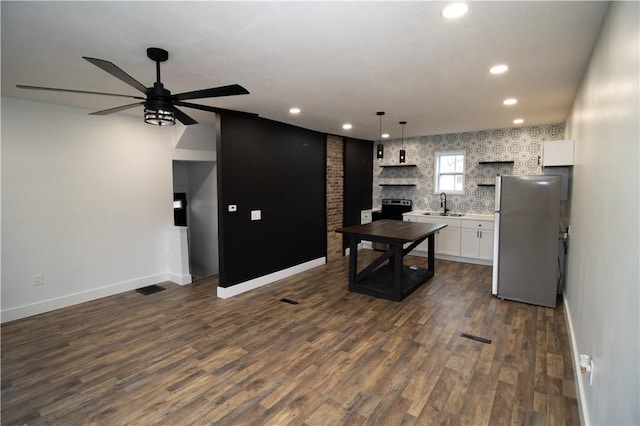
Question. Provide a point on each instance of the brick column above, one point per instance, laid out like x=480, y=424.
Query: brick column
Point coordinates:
x=335, y=195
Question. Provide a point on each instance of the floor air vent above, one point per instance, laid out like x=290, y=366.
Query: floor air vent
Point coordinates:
x=150, y=289
x=476, y=338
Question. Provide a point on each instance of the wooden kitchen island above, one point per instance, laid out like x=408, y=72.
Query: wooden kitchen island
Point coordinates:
x=393, y=281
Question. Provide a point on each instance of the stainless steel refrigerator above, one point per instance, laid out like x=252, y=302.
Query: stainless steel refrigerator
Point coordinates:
x=525, y=250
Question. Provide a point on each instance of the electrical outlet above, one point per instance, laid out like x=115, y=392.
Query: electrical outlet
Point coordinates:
x=256, y=214
x=233, y=208
x=38, y=279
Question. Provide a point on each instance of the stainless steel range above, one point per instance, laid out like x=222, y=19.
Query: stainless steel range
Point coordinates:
x=392, y=208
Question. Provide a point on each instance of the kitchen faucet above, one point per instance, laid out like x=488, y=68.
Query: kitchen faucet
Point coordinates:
x=443, y=204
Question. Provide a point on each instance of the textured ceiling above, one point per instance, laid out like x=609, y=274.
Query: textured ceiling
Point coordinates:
x=338, y=61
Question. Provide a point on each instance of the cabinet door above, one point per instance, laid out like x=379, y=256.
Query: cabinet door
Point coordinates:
x=423, y=246
x=365, y=217
x=448, y=241
x=557, y=153
x=469, y=243
x=486, y=245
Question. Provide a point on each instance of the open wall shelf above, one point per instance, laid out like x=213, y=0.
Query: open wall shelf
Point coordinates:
x=398, y=165
x=497, y=162
x=487, y=184
x=397, y=184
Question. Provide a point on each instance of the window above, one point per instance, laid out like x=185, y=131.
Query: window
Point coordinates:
x=450, y=172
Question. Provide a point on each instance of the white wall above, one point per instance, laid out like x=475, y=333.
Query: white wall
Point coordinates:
x=521, y=144
x=86, y=202
x=180, y=177
x=203, y=219
x=602, y=296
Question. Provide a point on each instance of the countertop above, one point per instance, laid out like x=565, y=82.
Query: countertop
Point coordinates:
x=388, y=230
x=464, y=217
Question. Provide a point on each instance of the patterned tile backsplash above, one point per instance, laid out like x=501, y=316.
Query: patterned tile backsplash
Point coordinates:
x=522, y=145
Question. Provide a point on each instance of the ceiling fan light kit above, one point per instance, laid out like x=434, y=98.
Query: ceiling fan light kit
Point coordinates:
x=160, y=106
x=159, y=117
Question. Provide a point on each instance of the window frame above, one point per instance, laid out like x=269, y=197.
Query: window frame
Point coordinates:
x=437, y=173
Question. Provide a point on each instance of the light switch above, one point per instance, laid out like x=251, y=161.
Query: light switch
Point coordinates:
x=233, y=208
x=256, y=214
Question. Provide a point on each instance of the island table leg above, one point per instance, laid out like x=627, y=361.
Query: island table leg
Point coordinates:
x=397, y=272
x=353, y=262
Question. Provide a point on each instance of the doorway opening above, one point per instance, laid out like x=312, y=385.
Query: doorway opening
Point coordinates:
x=195, y=190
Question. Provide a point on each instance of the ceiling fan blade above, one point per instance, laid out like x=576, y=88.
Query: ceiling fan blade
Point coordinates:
x=184, y=118
x=116, y=109
x=112, y=69
x=215, y=109
x=214, y=92
x=22, y=86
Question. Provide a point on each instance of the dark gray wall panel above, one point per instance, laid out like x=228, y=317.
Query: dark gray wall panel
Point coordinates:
x=280, y=170
x=358, y=180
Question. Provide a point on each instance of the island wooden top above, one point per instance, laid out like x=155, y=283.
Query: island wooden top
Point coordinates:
x=387, y=230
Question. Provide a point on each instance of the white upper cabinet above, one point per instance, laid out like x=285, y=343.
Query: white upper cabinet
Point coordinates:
x=557, y=153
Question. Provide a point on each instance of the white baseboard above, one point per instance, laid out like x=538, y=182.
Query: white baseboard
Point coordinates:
x=421, y=253
x=361, y=246
x=179, y=279
x=41, y=307
x=580, y=379
x=234, y=290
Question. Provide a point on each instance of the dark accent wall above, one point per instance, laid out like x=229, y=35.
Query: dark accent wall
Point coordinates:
x=358, y=180
x=280, y=170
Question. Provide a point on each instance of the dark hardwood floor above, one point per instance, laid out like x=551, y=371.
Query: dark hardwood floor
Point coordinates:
x=182, y=357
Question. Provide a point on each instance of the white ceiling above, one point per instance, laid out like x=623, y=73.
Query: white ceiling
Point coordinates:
x=338, y=61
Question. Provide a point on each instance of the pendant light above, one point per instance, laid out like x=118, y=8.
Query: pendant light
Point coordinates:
x=403, y=154
x=380, y=147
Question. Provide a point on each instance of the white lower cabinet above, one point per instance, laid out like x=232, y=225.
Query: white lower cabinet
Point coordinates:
x=423, y=246
x=448, y=241
x=486, y=245
x=366, y=216
x=476, y=239
x=462, y=239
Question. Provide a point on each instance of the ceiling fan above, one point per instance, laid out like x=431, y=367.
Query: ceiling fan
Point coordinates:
x=160, y=106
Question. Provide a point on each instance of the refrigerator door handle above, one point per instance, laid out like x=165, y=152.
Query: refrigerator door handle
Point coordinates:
x=498, y=192
x=496, y=250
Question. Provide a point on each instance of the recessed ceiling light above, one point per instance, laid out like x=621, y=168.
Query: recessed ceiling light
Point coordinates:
x=347, y=126
x=499, y=69
x=294, y=110
x=510, y=101
x=455, y=10
x=385, y=135
x=518, y=121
